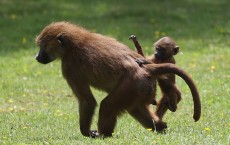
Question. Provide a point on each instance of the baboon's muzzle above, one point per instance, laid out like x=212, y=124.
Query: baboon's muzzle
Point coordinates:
x=43, y=57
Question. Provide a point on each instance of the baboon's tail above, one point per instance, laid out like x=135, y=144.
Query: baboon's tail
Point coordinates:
x=160, y=69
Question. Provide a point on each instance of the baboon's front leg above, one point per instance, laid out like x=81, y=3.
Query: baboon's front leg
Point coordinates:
x=87, y=105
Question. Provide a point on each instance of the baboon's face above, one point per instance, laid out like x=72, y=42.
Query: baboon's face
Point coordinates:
x=165, y=48
x=163, y=53
x=50, y=47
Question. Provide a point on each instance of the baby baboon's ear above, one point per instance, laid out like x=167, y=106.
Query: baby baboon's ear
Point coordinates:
x=62, y=39
x=176, y=49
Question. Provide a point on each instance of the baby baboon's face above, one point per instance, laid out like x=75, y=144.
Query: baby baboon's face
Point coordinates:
x=165, y=48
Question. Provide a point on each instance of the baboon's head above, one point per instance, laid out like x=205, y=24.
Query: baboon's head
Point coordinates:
x=165, y=48
x=50, y=41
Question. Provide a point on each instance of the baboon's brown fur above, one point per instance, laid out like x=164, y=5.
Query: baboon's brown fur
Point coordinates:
x=90, y=59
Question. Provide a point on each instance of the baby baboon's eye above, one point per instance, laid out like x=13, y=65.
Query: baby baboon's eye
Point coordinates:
x=160, y=49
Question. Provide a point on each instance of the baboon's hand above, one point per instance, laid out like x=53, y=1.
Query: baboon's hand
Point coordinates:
x=142, y=61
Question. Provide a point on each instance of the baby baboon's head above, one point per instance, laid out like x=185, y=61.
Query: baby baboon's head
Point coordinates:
x=165, y=48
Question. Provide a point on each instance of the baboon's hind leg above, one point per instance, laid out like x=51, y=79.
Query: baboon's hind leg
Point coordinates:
x=147, y=118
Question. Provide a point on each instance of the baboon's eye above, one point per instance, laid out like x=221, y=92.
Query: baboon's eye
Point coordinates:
x=160, y=49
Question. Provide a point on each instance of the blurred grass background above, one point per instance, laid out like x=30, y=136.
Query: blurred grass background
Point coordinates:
x=37, y=106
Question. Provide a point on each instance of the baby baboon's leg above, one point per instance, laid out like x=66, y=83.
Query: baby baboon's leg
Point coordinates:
x=169, y=100
x=161, y=107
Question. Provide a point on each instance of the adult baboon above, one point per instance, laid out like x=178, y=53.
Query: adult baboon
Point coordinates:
x=90, y=59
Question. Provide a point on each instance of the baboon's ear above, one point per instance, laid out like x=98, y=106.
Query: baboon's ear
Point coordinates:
x=62, y=39
x=176, y=49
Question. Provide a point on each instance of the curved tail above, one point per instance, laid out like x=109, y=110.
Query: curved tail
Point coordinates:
x=160, y=69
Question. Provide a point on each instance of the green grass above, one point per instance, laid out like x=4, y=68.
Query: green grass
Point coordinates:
x=37, y=106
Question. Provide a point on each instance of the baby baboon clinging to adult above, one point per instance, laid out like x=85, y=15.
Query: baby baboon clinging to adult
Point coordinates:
x=165, y=48
x=90, y=59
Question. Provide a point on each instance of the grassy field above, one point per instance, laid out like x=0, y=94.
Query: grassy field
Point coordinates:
x=37, y=106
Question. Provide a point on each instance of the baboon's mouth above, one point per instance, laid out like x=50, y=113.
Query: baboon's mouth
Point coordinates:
x=158, y=56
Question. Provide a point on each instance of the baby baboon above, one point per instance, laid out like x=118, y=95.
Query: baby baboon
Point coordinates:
x=165, y=49
x=90, y=59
